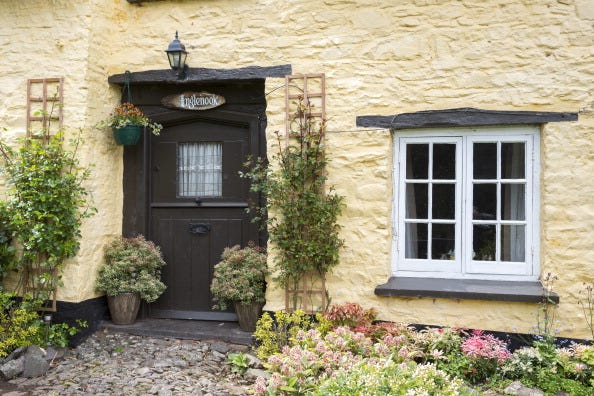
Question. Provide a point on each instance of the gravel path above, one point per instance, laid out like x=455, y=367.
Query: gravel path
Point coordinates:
x=121, y=364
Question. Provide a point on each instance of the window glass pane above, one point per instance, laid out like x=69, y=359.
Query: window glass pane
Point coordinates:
x=484, y=162
x=484, y=201
x=512, y=161
x=417, y=161
x=417, y=200
x=443, y=241
x=416, y=241
x=512, y=202
x=444, y=201
x=513, y=242
x=444, y=161
x=199, y=170
x=483, y=242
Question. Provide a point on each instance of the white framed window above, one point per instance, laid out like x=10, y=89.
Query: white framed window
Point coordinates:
x=466, y=203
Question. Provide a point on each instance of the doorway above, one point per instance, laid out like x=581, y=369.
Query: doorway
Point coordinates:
x=197, y=206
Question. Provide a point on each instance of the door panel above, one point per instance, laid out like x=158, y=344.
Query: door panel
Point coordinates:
x=194, y=230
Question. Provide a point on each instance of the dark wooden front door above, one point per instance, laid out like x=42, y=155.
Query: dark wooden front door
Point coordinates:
x=197, y=206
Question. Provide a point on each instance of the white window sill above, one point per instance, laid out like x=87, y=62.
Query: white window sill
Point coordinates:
x=465, y=289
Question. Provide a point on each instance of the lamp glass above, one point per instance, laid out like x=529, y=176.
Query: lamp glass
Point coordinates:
x=182, y=59
x=174, y=59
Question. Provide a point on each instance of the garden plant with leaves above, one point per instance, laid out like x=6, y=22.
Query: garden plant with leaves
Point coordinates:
x=300, y=214
x=47, y=203
x=7, y=251
x=347, y=354
x=21, y=326
x=132, y=265
x=240, y=277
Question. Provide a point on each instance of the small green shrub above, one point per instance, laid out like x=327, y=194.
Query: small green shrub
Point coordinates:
x=21, y=325
x=239, y=362
x=59, y=334
x=272, y=334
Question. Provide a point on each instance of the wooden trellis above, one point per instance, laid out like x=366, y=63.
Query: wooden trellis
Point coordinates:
x=309, y=295
x=308, y=91
x=45, y=102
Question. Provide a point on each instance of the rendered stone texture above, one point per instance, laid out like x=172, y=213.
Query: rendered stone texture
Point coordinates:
x=379, y=58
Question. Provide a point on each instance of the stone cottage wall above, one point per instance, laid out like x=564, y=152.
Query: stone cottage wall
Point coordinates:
x=379, y=58
x=43, y=39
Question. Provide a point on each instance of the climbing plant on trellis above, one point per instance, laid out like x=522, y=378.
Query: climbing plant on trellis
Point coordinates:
x=302, y=221
x=305, y=104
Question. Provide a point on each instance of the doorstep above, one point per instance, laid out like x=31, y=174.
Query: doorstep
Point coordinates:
x=184, y=329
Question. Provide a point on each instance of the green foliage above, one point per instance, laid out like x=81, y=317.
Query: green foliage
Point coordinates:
x=552, y=369
x=272, y=334
x=587, y=356
x=389, y=378
x=239, y=362
x=60, y=333
x=21, y=325
x=47, y=202
x=7, y=251
x=302, y=222
x=240, y=276
x=132, y=265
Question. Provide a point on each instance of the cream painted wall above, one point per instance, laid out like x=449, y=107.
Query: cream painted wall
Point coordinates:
x=42, y=39
x=379, y=58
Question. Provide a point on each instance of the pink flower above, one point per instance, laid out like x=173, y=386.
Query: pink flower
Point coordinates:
x=485, y=346
x=260, y=386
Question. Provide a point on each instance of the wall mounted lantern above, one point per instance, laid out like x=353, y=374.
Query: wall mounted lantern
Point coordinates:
x=176, y=52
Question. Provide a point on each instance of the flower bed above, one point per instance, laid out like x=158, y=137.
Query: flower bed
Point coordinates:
x=324, y=357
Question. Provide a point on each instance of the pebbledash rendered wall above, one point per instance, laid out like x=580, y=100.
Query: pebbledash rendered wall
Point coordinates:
x=379, y=58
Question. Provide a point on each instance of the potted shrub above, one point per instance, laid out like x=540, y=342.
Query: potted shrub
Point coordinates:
x=131, y=272
x=240, y=281
x=127, y=122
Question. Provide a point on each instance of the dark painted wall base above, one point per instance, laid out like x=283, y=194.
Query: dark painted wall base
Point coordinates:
x=93, y=311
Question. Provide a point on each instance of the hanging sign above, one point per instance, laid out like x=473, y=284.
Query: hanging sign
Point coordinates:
x=193, y=101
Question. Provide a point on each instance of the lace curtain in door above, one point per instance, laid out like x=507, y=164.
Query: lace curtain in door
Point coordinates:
x=200, y=170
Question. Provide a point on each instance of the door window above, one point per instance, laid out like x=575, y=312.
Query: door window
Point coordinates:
x=200, y=170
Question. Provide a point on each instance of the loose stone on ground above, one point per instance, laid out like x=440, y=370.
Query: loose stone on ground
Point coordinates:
x=116, y=363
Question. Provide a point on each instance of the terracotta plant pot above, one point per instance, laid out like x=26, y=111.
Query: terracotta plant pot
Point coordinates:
x=123, y=308
x=248, y=315
x=128, y=135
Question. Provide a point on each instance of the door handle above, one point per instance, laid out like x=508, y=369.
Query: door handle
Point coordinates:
x=199, y=228
x=198, y=201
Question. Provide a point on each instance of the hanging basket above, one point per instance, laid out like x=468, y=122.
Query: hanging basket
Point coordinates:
x=128, y=135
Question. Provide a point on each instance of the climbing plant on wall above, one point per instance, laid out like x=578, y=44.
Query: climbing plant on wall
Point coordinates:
x=300, y=213
x=47, y=201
